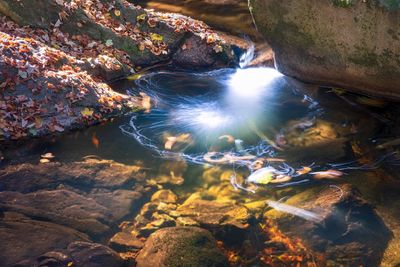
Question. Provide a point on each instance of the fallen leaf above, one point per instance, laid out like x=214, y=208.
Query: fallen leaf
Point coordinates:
x=109, y=42
x=170, y=142
x=141, y=17
x=146, y=102
x=38, y=122
x=229, y=138
x=59, y=128
x=303, y=170
x=48, y=155
x=87, y=112
x=156, y=37
x=43, y=161
x=23, y=74
x=134, y=77
x=329, y=174
x=95, y=141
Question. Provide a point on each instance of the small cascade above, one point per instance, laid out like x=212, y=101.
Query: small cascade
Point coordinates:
x=248, y=56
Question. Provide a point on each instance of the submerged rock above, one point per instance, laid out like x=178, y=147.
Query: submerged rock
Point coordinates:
x=348, y=230
x=226, y=221
x=181, y=246
x=352, y=44
x=24, y=239
x=123, y=241
x=85, y=254
x=61, y=207
x=166, y=196
x=59, y=203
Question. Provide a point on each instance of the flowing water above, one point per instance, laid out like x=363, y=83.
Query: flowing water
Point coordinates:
x=252, y=135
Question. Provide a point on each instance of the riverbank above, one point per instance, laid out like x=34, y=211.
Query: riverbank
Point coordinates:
x=57, y=58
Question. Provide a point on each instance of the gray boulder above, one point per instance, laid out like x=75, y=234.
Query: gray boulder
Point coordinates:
x=345, y=43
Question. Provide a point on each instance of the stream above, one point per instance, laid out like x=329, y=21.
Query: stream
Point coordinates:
x=240, y=137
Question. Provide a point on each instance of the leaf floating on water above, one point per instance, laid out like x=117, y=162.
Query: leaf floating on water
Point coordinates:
x=172, y=140
x=95, y=141
x=262, y=176
x=134, y=77
x=303, y=170
x=48, y=156
x=146, y=102
x=43, y=161
x=329, y=174
x=229, y=138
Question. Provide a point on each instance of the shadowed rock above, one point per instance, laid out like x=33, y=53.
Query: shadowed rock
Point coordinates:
x=349, y=231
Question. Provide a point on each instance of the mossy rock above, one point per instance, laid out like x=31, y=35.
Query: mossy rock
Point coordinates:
x=345, y=43
x=181, y=246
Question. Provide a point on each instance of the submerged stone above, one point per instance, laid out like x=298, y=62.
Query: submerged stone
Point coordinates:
x=166, y=196
x=181, y=246
x=348, y=229
x=125, y=241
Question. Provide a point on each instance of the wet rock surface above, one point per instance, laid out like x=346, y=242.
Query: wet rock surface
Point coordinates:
x=231, y=16
x=181, y=246
x=25, y=239
x=66, y=202
x=57, y=56
x=348, y=229
x=351, y=44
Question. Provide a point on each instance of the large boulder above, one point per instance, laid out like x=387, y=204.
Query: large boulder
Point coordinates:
x=230, y=16
x=146, y=37
x=350, y=44
x=181, y=246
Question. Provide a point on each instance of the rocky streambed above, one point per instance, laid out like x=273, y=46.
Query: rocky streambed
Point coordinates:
x=171, y=181
x=100, y=196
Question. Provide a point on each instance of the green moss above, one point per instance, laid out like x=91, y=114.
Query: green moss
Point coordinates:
x=385, y=62
x=364, y=57
x=195, y=250
x=342, y=3
x=390, y=4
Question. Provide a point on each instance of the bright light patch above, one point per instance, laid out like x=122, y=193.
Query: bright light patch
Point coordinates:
x=252, y=82
x=211, y=119
x=201, y=117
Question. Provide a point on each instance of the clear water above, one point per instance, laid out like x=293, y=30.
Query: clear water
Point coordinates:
x=248, y=114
